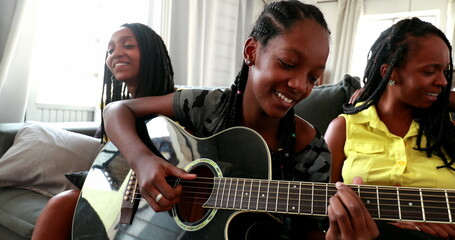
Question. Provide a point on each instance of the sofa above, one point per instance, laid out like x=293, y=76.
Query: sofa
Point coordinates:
x=20, y=206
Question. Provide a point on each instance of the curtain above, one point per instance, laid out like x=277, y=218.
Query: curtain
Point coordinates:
x=349, y=12
x=451, y=21
x=215, y=31
x=15, y=62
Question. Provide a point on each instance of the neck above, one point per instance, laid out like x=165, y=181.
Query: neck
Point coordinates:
x=395, y=115
x=131, y=90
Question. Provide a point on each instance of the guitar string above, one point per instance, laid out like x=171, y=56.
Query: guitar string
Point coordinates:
x=330, y=188
x=333, y=189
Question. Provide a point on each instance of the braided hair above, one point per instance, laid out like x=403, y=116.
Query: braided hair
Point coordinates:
x=156, y=75
x=391, y=48
x=276, y=18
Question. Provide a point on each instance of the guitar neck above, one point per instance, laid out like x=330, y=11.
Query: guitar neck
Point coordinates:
x=307, y=198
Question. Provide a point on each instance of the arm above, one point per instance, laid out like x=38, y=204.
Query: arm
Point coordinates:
x=335, y=137
x=349, y=218
x=151, y=171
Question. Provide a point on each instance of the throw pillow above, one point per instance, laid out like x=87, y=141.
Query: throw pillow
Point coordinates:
x=326, y=102
x=41, y=155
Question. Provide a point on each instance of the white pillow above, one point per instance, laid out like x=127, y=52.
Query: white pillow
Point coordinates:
x=41, y=155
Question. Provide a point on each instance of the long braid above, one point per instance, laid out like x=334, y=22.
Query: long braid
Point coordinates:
x=391, y=48
x=156, y=75
x=276, y=18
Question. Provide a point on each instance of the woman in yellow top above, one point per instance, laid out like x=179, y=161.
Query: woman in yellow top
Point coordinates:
x=399, y=132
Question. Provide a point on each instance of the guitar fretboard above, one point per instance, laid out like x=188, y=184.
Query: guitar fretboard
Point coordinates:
x=306, y=198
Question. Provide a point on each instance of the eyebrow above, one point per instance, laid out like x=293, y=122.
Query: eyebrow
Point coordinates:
x=122, y=38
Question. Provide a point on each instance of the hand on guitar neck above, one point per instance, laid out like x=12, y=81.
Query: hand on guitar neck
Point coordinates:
x=348, y=215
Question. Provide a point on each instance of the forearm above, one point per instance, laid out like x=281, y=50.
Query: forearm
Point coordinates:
x=120, y=125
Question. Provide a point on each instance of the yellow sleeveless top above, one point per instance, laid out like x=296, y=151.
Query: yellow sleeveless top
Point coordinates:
x=382, y=158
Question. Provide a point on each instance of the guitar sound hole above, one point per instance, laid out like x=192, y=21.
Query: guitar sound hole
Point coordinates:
x=195, y=194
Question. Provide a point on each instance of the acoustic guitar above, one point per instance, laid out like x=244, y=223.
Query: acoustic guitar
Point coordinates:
x=233, y=184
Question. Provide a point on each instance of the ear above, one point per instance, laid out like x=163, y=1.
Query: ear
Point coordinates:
x=249, y=49
x=384, y=68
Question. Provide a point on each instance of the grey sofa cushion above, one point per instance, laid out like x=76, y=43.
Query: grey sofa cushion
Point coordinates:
x=19, y=209
x=326, y=102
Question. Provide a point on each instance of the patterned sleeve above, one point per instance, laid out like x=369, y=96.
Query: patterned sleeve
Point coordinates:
x=313, y=163
x=200, y=110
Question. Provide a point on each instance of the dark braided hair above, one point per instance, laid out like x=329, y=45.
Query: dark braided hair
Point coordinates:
x=277, y=18
x=392, y=48
x=156, y=75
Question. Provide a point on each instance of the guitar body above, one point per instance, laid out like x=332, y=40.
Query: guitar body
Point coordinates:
x=235, y=152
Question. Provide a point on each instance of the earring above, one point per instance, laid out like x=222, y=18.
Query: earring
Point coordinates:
x=248, y=62
x=391, y=82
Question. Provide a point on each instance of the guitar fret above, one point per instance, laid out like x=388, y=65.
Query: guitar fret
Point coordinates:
x=326, y=198
x=435, y=206
x=377, y=202
x=224, y=190
x=262, y=195
x=319, y=199
x=282, y=198
x=448, y=206
x=300, y=197
x=423, y=208
x=217, y=185
x=398, y=201
x=306, y=192
x=332, y=190
x=250, y=194
x=312, y=199
x=287, y=202
x=277, y=195
x=229, y=193
x=451, y=196
x=243, y=192
x=369, y=196
x=258, y=196
x=267, y=198
x=389, y=203
x=294, y=192
x=236, y=195
x=410, y=204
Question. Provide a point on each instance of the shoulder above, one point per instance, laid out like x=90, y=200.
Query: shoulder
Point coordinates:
x=336, y=132
x=202, y=110
x=304, y=133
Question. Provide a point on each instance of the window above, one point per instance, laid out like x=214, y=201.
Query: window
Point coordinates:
x=68, y=58
x=371, y=26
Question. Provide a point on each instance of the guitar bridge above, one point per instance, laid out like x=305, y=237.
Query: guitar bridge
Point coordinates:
x=130, y=201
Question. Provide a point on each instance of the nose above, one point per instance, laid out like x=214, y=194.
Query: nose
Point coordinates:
x=299, y=84
x=117, y=52
x=441, y=79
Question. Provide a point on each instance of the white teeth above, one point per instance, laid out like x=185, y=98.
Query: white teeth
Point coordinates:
x=432, y=94
x=119, y=64
x=284, y=98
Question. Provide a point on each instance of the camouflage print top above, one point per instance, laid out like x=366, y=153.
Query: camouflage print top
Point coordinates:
x=203, y=112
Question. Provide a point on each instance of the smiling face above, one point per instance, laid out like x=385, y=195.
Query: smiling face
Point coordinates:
x=287, y=68
x=124, y=57
x=420, y=79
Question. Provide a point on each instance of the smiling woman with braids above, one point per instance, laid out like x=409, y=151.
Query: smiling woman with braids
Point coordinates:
x=399, y=132
x=284, y=56
x=137, y=64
